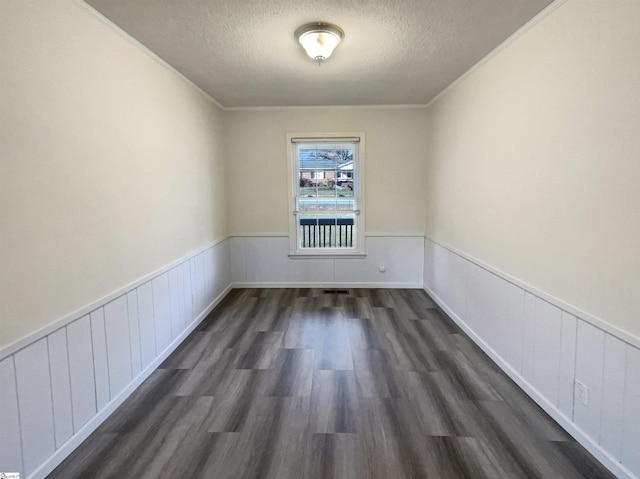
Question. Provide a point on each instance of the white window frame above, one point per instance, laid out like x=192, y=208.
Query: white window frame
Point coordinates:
x=295, y=251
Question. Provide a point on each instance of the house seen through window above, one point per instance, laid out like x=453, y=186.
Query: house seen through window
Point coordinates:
x=327, y=195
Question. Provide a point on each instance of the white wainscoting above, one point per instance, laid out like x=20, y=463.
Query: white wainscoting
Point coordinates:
x=545, y=346
x=60, y=384
x=263, y=261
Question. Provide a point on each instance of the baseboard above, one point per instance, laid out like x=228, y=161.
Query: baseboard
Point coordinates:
x=370, y=285
x=566, y=423
x=72, y=443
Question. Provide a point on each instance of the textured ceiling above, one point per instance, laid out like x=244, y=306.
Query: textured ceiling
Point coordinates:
x=242, y=52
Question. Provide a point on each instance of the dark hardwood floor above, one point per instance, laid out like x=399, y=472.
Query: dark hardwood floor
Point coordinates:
x=296, y=383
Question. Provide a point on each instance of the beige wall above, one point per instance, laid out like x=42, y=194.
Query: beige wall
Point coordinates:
x=533, y=160
x=256, y=155
x=111, y=165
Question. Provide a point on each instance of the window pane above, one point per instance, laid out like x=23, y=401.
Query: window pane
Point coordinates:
x=308, y=204
x=345, y=204
x=305, y=182
x=344, y=188
x=326, y=204
x=326, y=172
x=344, y=172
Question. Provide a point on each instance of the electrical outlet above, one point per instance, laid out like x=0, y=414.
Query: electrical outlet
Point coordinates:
x=382, y=268
x=582, y=393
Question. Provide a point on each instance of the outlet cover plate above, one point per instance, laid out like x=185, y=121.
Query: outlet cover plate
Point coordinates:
x=582, y=393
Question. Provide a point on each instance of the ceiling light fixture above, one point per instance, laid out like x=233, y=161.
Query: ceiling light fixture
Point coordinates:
x=319, y=39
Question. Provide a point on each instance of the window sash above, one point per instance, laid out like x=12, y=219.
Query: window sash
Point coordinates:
x=326, y=202
x=316, y=201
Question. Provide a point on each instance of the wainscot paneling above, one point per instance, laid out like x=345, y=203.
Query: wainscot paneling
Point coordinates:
x=528, y=331
x=567, y=364
x=263, y=261
x=118, y=345
x=546, y=346
x=147, y=324
x=176, y=301
x=161, y=311
x=58, y=386
x=611, y=422
x=10, y=444
x=631, y=414
x=100, y=365
x=546, y=350
x=589, y=368
x=514, y=326
x=35, y=404
x=83, y=382
x=134, y=332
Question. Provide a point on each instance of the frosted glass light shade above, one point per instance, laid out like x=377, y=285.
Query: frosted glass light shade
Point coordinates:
x=319, y=39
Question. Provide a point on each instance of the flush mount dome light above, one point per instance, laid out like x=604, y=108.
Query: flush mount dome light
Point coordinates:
x=319, y=39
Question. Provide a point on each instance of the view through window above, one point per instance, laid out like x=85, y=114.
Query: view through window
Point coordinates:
x=326, y=194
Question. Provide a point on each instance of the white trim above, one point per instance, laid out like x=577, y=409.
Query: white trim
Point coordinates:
x=373, y=234
x=569, y=308
x=359, y=161
x=369, y=285
x=322, y=107
x=548, y=10
x=333, y=255
x=326, y=139
x=83, y=433
x=376, y=234
x=259, y=235
x=59, y=323
x=566, y=423
x=146, y=50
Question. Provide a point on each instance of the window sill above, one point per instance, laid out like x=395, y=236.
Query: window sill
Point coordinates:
x=332, y=255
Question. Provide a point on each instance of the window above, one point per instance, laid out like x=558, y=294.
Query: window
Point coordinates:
x=326, y=196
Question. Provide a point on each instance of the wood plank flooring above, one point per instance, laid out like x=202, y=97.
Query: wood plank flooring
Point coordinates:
x=296, y=383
